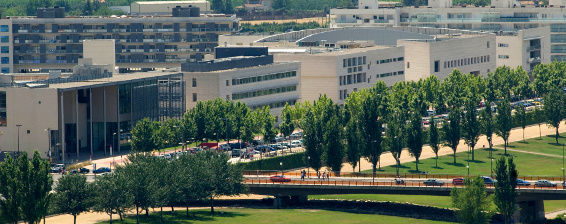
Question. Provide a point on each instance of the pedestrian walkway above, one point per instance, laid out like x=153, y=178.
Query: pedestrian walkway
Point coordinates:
x=522, y=151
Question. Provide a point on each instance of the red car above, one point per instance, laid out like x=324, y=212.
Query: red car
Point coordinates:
x=279, y=178
x=458, y=181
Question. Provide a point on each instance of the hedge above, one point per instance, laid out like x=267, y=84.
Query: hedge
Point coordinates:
x=293, y=161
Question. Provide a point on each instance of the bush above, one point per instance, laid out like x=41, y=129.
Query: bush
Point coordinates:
x=292, y=161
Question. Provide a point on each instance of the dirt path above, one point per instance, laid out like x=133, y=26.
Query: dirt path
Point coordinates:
x=552, y=215
x=522, y=151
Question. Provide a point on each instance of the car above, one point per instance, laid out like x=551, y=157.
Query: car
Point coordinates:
x=521, y=182
x=285, y=144
x=488, y=180
x=430, y=113
x=544, y=183
x=57, y=168
x=296, y=143
x=225, y=147
x=279, y=178
x=80, y=170
x=433, y=182
x=101, y=170
x=458, y=181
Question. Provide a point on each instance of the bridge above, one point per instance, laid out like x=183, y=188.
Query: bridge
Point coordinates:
x=530, y=199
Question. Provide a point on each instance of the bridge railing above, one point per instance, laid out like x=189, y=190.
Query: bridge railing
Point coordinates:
x=380, y=183
x=389, y=175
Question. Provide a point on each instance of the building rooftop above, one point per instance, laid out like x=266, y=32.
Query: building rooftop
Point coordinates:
x=116, y=79
x=378, y=36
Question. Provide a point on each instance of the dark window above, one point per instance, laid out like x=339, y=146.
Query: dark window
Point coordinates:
x=227, y=82
x=194, y=97
x=4, y=28
x=5, y=39
x=408, y=65
x=5, y=49
x=195, y=82
x=436, y=66
x=5, y=60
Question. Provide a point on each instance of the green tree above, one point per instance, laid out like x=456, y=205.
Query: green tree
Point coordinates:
x=374, y=107
x=287, y=126
x=74, y=195
x=36, y=185
x=312, y=142
x=504, y=121
x=334, y=150
x=269, y=132
x=539, y=119
x=487, y=123
x=554, y=109
x=10, y=185
x=140, y=181
x=142, y=136
x=471, y=126
x=217, y=6
x=395, y=140
x=415, y=137
x=353, y=147
x=472, y=202
x=452, y=133
x=521, y=115
x=434, y=137
x=228, y=8
x=189, y=178
x=505, y=194
x=112, y=194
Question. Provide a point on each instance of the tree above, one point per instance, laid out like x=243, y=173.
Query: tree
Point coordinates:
x=539, y=119
x=287, y=126
x=472, y=201
x=111, y=194
x=353, y=147
x=36, y=185
x=452, y=130
x=373, y=112
x=505, y=193
x=73, y=195
x=415, y=137
x=471, y=125
x=521, y=115
x=554, y=109
x=138, y=173
x=487, y=123
x=395, y=140
x=504, y=121
x=188, y=179
x=433, y=137
x=228, y=8
x=334, y=152
x=217, y=6
x=142, y=136
x=268, y=129
x=312, y=142
x=10, y=185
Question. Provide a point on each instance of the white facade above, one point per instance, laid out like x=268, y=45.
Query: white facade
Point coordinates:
x=339, y=73
x=526, y=48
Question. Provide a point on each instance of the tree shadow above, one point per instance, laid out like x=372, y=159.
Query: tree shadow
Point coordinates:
x=554, y=144
x=475, y=161
x=437, y=168
x=455, y=164
x=180, y=216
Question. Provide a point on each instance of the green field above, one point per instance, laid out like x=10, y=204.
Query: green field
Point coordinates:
x=527, y=164
x=272, y=216
x=545, y=145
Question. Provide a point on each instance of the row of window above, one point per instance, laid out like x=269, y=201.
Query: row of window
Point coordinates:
x=263, y=78
x=390, y=74
x=356, y=69
x=343, y=94
x=502, y=56
x=5, y=70
x=276, y=104
x=389, y=60
x=502, y=45
x=352, y=79
x=3, y=108
x=264, y=92
x=347, y=62
x=466, y=61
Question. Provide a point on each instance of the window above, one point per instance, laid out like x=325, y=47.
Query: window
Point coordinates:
x=227, y=82
x=5, y=49
x=343, y=63
x=408, y=65
x=436, y=66
x=364, y=60
x=488, y=44
x=5, y=70
x=4, y=28
x=194, y=82
x=503, y=56
x=227, y=97
x=341, y=95
x=5, y=39
x=400, y=59
x=503, y=45
x=194, y=97
x=5, y=60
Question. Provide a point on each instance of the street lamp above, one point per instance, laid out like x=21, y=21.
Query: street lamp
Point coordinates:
x=308, y=167
x=491, y=168
x=18, y=125
x=563, y=162
x=468, y=167
x=281, y=164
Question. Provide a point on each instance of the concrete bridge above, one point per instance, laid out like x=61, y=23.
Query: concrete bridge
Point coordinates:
x=530, y=199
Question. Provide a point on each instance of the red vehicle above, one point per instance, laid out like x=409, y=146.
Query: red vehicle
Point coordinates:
x=279, y=178
x=458, y=181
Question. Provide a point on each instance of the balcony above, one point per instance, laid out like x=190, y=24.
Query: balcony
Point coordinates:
x=380, y=21
x=347, y=21
x=533, y=60
x=56, y=61
x=28, y=61
x=95, y=30
x=533, y=48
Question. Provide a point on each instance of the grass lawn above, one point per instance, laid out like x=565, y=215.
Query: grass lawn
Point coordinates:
x=435, y=201
x=273, y=216
x=545, y=145
x=527, y=164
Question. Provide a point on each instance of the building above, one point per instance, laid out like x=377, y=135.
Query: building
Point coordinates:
x=165, y=7
x=256, y=80
x=527, y=48
x=51, y=41
x=68, y=118
x=502, y=15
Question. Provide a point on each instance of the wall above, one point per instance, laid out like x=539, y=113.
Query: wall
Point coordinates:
x=102, y=52
x=167, y=7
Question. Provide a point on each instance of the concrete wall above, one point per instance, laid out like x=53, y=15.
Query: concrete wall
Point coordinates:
x=102, y=52
x=34, y=109
x=166, y=6
x=240, y=40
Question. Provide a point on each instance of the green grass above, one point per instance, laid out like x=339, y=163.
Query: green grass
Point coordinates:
x=527, y=164
x=435, y=201
x=272, y=216
x=545, y=145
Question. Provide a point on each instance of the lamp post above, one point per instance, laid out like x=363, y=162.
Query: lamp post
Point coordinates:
x=491, y=168
x=48, y=130
x=308, y=167
x=563, y=162
x=468, y=167
x=281, y=164
x=18, y=125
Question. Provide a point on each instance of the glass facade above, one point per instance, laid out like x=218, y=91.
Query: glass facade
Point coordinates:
x=125, y=96
x=264, y=92
x=263, y=78
x=4, y=28
x=4, y=49
x=4, y=39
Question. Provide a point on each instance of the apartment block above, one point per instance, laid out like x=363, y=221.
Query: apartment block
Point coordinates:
x=52, y=41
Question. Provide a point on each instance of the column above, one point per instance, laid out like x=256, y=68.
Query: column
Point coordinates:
x=77, y=121
x=91, y=128
x=104, y=110
x=63, y=143
x=117, y=119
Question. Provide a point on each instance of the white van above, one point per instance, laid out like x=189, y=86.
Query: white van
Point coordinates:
x=430, y=113
x=296, y=143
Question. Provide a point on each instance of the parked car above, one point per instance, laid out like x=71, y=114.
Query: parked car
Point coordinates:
x=521, y=182
x=57, y=168
x=544, y=183
x=488, y=180
x=225, y=147
x=433, y=182
x=236, y=152
x=296, y=143
x=101, y=170
x=279, y=178
x=285, y=144
x=458, y=181
x=430, y=113
x=80, y=170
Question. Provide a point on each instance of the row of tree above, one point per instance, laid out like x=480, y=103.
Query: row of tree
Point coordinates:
x=209, y=120
x=143, y=182
x=356, y=129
